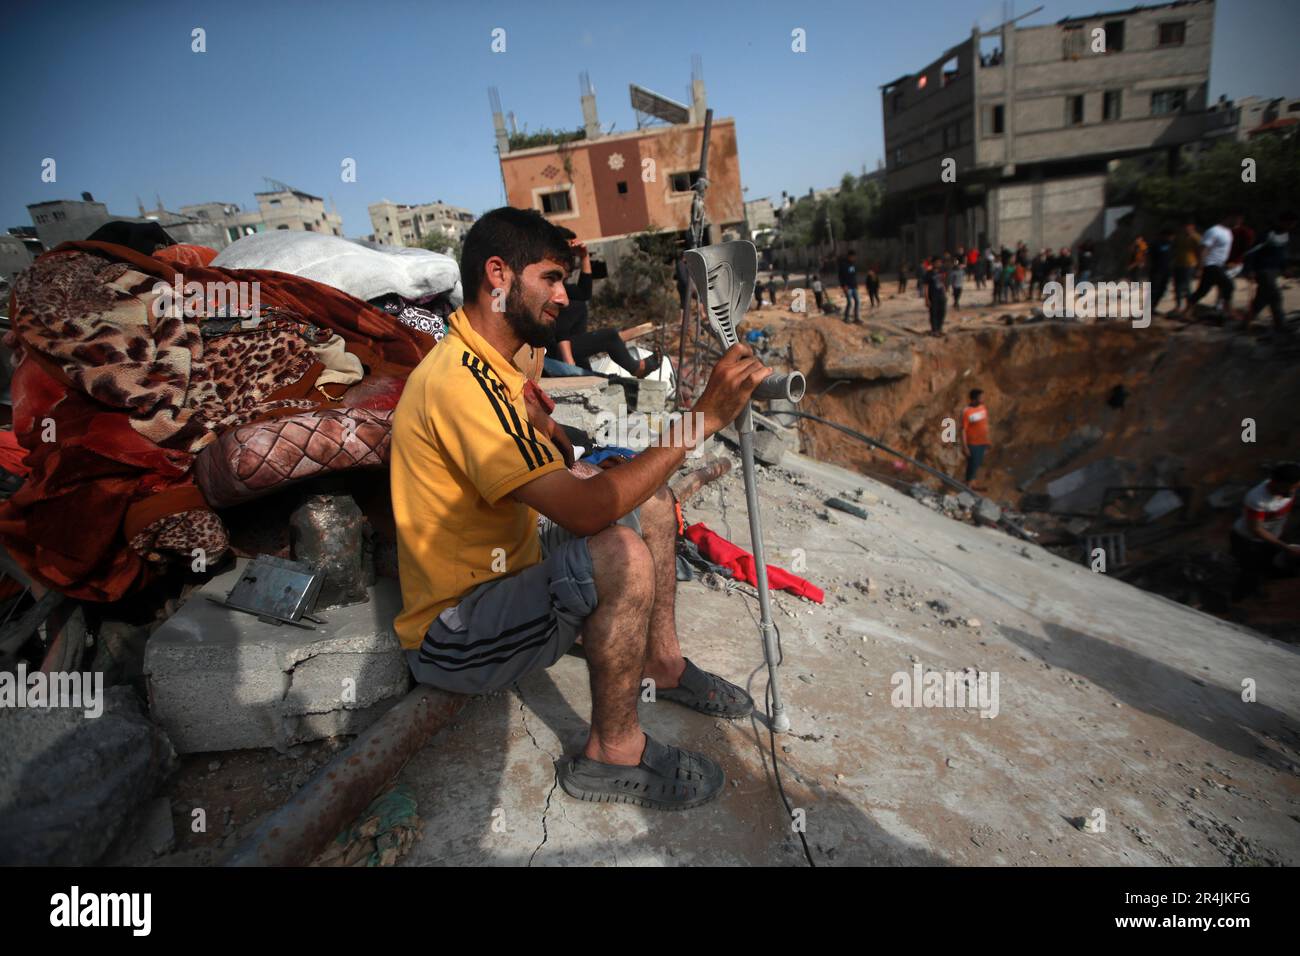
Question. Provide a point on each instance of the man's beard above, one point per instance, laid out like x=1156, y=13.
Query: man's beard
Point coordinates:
x=525, y=324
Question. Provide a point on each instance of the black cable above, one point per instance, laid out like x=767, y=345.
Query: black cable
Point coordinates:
x=1003, y=522
x=947, y=479
x=776, y=769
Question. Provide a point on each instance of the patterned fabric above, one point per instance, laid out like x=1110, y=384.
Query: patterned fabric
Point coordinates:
x=130, y=397
x=430, y=317
x=264, y=457
x=92, y=318
x=180, y=535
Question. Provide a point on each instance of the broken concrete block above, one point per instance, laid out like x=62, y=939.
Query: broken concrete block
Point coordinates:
x=221, y=679
x=987, y=512
x=1082, y=489
x=868, y=364
x=69, y=783
x=769, y=446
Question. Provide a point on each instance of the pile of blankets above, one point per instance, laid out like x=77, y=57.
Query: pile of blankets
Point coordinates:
x=138, y=421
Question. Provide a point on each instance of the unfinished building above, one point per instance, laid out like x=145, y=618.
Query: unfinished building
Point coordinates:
x=607, y=186
x=1032, y=116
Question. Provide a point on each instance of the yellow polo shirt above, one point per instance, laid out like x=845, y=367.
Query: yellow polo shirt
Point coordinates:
x=461, y=443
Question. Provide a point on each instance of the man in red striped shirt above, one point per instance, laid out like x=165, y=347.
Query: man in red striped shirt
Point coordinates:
x=1257, y=535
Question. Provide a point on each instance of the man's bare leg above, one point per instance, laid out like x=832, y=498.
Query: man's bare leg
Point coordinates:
x=663, y=659
x=614, y=639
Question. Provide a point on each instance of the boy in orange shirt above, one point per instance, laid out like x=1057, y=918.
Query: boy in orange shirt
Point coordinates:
x=974, y=433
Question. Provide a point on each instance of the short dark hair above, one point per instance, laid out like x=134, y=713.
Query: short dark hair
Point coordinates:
x=519, y=236
x=1286, y=473
x=975, y=394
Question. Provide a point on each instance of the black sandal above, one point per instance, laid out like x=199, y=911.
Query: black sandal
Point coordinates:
x=709, y=694
x=667, y=778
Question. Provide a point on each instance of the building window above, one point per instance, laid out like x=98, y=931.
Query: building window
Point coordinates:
x=1172, y=33
x=281, y=227
x=1072, y=44
x=309, y=227
x=622, y=188
x=996, y=120
x=1110, y=105
x=1074, y=111
x=897, y=100
x=949, y=70
x=684, y=182
x=275, y=202
x=1114, y=36
x=898, y=156
x=1164, y=102
x=556, y=202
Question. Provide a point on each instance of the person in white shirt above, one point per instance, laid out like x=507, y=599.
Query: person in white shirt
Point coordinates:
x=1215, y=246
x=1257, y=534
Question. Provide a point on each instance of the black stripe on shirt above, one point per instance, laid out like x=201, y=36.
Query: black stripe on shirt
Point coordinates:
x=471, y=363
x=538, y=448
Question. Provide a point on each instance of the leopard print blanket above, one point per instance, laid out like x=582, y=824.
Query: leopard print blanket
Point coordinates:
x=95, y=319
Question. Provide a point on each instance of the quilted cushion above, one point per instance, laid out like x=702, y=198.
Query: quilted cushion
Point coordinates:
x=254, y=460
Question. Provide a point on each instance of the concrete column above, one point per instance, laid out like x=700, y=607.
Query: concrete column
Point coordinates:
x=590, y=121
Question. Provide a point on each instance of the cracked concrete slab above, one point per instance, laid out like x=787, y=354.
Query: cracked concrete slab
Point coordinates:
x=221, y=679
x=1116, y=707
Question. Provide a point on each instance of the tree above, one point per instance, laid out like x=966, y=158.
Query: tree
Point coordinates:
x=1217, y=183
x=439, y=241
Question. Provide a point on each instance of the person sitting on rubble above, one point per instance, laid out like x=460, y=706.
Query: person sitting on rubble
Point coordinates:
x=1257, y=535
x=570, y=347
x=490, y=593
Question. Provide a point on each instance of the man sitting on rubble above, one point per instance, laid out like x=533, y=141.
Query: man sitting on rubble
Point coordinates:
x=489, y=592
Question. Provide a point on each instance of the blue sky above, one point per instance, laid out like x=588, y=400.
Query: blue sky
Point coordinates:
x=113, y=92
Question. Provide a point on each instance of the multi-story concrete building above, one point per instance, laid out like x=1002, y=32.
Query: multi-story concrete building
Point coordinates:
x=234, y=222
x=289, y=208
x=1253, y=116
x=606, y=186
x=401, y=225
x=760, y=214
x=1007, y=137
x=68, y=220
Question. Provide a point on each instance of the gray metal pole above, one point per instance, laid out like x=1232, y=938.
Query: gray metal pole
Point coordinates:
x=745, y=431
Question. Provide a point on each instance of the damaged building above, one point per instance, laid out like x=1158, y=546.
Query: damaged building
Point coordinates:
x=607, y=186
x=1033, y=116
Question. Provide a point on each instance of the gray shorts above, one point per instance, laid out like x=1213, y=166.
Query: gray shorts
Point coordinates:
x=507, y=627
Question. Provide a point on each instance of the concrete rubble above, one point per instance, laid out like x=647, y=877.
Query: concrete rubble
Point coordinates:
x=1110, y=699
x=69, y=782
x=222, y=679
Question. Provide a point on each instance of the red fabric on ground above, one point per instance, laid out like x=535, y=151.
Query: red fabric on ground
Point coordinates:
x=721, y=551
